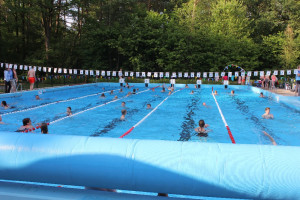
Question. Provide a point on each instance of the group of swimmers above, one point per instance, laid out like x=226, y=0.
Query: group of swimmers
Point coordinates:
x=201, y=130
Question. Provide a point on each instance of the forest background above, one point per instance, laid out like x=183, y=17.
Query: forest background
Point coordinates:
x=151, y=35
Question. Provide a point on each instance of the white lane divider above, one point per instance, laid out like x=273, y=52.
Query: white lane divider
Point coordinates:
x=61, y=101
x=83, y=111
x=127, y=132
x=223, y=118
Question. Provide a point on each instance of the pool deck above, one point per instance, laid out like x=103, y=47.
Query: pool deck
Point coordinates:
x=282, y=92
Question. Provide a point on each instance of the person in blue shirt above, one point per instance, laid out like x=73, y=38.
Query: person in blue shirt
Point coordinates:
x=8, y=75
x=298, y=81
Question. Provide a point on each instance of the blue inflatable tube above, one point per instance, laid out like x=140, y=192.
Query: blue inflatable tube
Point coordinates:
x=188, y=168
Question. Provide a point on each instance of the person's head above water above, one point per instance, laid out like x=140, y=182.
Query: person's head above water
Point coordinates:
x=201, y=123
x=102, y=95
x=123, y=104
x=216, y=92
x=232, y=91
x=3, y=104
x=69, y=111
x=44, y=128
x=37, y=97
x=26, y=121
x=267, y=110
x=261, y=94
x=204, y=104
x=111, y=92
x=148, y=105
x=133, y=90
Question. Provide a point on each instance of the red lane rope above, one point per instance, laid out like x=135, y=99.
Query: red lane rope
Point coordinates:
x=230, y=135
x=223, y=118
x=127, y=132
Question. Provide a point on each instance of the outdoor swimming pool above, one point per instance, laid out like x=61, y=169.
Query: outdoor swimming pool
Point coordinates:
x=175, y=118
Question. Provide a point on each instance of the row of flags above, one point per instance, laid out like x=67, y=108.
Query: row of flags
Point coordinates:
x=148, y=74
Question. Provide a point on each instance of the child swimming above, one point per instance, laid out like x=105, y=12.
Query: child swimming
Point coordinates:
x=201, y=129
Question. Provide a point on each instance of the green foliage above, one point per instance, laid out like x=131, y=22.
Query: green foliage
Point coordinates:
x=152, y=35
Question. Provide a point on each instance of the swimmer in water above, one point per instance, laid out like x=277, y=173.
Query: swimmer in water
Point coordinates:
x=116, y=97
x=102, y=95
x=124, y=112
x=121, y=90
x=163, y=89
x=37, y=97
x=232, y=92
x=1, y=122
x=186, y=86
x=111, y=92
x=192, y=92
x=270, y=138
x=267, y=114
x=4, y=105
x=26, y=125
x=170, y=93
x=128, y=94
x=149, y=106
x=123, y=104
x=69, y=111
x=216, y=92
x=153, y=89
x=44, y=128
x=195, y=86
x=133, y=91
x=261, y=95
x=201, y=129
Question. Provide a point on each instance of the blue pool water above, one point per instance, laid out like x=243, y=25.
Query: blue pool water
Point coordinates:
x=175, y=119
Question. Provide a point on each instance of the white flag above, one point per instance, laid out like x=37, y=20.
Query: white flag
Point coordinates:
x=149, y=74
x=261, y=73
x=186, y=74
x=255, y=73
x=249, y=73
x=211, y=74
x=192, y=74
x=74, y=71
x=198, y=74
x=102, y=73
x=44, y=69
x=229, y=74
x=92, y=72
x=97, y=72
x=114, y=73
x=70, y=71
x=204, y=74
x=49, y=69
x=137, y=74
x=161, y=74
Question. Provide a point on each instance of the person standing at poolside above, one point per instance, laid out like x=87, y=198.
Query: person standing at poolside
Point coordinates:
x=14, y=81
x=8, y=76
x=298, y=82
x=31, y=78
x=273, y=78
